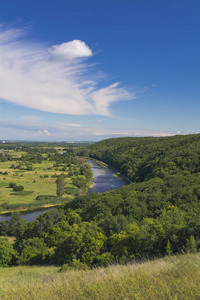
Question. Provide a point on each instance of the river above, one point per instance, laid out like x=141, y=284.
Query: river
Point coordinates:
x=104, y=180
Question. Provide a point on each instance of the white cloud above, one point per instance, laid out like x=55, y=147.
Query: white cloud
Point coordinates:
x=73, y=125
x=70, y=50
x=30, y=118
x=104, y=97
x=30, y=77
x=65, y=132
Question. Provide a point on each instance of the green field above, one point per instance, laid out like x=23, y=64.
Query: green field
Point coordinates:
x=176, y=277
x=33, y=181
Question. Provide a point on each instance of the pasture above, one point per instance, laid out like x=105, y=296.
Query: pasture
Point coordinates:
x=38, y=181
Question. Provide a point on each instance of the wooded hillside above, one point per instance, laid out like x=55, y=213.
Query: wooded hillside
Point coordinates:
x=144, y=158
x=157, y=214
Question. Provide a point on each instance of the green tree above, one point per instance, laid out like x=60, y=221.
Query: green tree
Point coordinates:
x=79, y=181
x=60, y=185
x=33, y=251
x=20, y=230
x=13, y=223
x=4, y=227
x=85, y=169
x=6, y=252
x=83, y=242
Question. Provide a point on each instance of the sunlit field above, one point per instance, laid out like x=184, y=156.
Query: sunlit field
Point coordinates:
x=176, y=277
x=36, y=182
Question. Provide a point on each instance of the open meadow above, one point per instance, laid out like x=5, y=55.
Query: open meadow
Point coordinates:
x=175, y=277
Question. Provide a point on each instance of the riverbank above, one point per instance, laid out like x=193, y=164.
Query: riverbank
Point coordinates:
x=24, y=210
x=103, y=180
x=117, y=172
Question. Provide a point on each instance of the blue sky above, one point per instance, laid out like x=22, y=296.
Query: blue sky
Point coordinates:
x=88, y=70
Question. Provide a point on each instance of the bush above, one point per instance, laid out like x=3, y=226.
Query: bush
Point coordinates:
x=18, y=188
x=11, y=185
x=72, y=191
x=54, y=176
x=44, y=176
x=5, y=205
x=42, y=197
x=74, y=265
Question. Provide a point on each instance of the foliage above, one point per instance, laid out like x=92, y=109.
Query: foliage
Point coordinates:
x=11, y=185
x=60, y=185
x=143, y=158
x=82, y=242
x=18, y=188
x=33, y=251
x=6, y=252
x=79, y=181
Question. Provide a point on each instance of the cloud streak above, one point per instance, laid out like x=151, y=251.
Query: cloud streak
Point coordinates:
x=54, y=79
x=70, y=131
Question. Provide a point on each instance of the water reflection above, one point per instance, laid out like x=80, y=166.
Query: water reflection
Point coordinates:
x=104, y=179
x=29, y=215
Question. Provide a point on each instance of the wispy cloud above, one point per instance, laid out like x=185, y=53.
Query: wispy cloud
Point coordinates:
x=104, y=97
x=70, y=131
x=54, y=79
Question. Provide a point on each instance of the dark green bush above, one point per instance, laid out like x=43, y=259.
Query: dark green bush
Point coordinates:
x=42, y=197
x=18, y=188
x=11, y=185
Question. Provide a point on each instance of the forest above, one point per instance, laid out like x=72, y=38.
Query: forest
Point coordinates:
x=157, y=214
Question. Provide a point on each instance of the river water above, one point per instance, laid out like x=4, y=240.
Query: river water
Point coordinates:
x=104, y=180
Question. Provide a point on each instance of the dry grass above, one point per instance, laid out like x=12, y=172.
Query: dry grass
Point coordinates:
x=171, y=278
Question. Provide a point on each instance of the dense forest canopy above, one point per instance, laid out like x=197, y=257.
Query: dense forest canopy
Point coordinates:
x=157, y=214
x=144, y=158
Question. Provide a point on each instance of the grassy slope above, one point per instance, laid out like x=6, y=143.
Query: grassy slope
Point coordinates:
x=175, y=277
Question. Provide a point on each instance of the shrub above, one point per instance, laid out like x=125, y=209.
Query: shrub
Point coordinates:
x=74, y=265
x=54, y=176
x=18, y=188
x=11, y=185
x=5, y=205
x=42, y=197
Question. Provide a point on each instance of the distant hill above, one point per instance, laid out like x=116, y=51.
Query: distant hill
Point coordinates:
x=144, y=158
